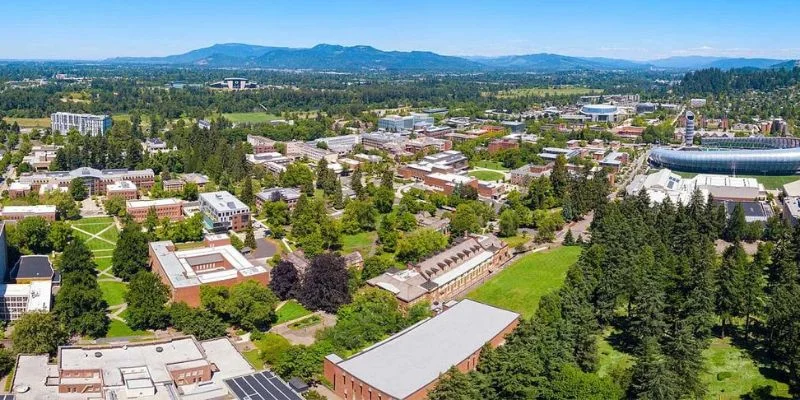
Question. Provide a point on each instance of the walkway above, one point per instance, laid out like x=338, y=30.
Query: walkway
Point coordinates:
x=96, y=235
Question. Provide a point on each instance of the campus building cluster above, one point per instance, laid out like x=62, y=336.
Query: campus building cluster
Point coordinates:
x=97, y=181
x=30, y=284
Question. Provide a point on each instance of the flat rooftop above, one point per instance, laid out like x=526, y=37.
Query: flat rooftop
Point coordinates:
x=415, y=357
x=223, y=201
x=177, y=265
x=152, y=203
x=40, y=209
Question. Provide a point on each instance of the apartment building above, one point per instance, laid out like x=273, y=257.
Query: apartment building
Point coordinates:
x=86, y=124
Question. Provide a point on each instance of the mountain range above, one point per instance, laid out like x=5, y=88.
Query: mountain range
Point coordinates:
x=361, y=58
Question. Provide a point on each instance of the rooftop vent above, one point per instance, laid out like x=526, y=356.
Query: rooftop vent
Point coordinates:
x=159, y=349
x=98, y=354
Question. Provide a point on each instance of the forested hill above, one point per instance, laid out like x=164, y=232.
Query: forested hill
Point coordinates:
x=714, y=80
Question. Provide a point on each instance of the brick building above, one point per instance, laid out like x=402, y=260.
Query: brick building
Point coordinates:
x=408, y=364
x=261, y=144
x=97, y=181
x=443, y=276
x=218, y=263
x=125, y=189
x=498, y=145
x=165, y=208
x=17, y=213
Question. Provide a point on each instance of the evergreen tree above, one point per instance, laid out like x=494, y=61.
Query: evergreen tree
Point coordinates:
x=569, y=240
x=249, y=236
x=356, y=183
x=247, y=192
x=338, y=196
x=735, y=229
x=729, y=284
x=455, y=385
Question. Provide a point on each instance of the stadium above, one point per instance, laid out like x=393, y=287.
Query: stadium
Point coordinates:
x=751, y=155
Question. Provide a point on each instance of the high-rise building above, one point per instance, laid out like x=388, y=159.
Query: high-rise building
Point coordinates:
x=688, y=137
x=86, y=124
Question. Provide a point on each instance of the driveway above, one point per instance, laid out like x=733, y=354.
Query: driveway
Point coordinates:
x=265, y=249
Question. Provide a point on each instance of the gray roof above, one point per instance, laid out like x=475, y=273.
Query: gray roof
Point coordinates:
x=31, y=267
x=415, y=357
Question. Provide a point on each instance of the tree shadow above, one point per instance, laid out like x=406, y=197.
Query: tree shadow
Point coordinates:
x=758, y=351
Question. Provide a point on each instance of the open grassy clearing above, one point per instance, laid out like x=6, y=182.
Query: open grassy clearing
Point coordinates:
x=291, y=310
x=360, y=242
x=731, y=373
x=92, y=228
x=111, y=234
x=491, y=165
x=120, y=329
x=113, y=292
x=487, y=175
x=520, y=286
x=92, y=221
x=268, y=349
x=610, y=359
x=29, y=122
x=250, y=117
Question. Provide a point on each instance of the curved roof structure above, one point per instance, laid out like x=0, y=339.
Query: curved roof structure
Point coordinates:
x=752, y=142
x=762, y=162
x=599, y=109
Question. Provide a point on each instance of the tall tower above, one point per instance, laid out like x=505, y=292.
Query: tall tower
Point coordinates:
x=688, y=137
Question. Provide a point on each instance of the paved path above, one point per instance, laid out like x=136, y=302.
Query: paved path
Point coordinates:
x=116, y=311
x=305, y=336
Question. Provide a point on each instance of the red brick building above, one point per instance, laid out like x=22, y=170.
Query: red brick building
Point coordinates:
x=165, y=208
x=408, y=365
x=216, y=264
x=502, y=144
x=18, y=213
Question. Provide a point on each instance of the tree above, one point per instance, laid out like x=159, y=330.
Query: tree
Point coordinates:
x=247, y=305
x=115, y=205
x=569, y=239
x=455, y=385
x=79, y=305
x=249, y=236
x=559, y=177
x=509, y=223
x=753, y=283
x=729, y=285
x=190, y=191
x=737, y=225
x=77, y=189
x=7, y=361
x=384, y=200
x=32, y=235
x=378, y=264
x=359, y=215
x=356, y=183
x=285, y=281
x=198, y=322
x=146, y=298
x=419, y=244
x=652, y=379
x=38, y=333
x=325, y=286
x=131, y=254
x=247, y=192
x=66, y=207
x=60, y=235
x=151, y=221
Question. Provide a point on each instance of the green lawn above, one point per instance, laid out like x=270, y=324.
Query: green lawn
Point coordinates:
x=30, y=122
x=515, y=241
x=92, y=228
x=97, y=244
x=291, y=310
x=722, y=357
x=360, y=242
x=119, y=329
x=92, y=221
x=102, y=263
x=306, y=322
x=491, y=165
x=769, y=182
x=250, y=117
x=113, y=292
x=520, y=286
x=111, y=234
x=487, y=175
x=610, y=359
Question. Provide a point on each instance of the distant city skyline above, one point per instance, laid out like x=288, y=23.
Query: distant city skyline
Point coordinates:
x=627, y=29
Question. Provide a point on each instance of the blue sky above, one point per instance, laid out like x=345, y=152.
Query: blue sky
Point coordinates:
x=632, y=29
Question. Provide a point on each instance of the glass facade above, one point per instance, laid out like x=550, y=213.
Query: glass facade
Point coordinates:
x=757, y=162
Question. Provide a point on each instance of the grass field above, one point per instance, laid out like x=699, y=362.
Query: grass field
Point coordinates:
x=268, y=349
x=491, y=165
x=610, y=359
x=515, y=241
x=360, y=242
x=291, y=310
x=549, y=91
x=29, y=122
x=724, y=359
x=103, y=263
x=769, y=182
x=250, y=117
x=95, y=226
x=487, y=175
x=113, y=292
x=119, y=329
x=92, y=221
x=520, y=286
